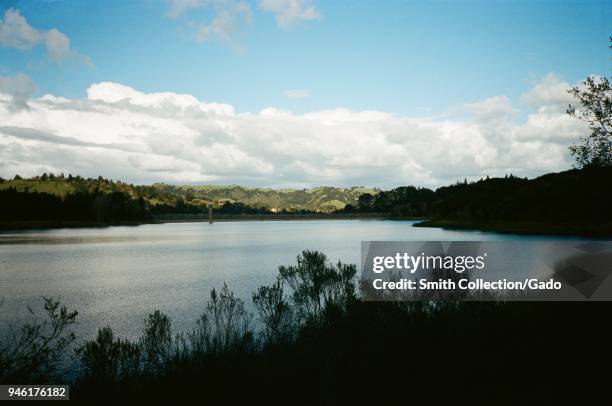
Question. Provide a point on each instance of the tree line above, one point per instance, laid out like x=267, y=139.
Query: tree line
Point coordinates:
x=578, y=195
x=180, y=207
x=94, y=206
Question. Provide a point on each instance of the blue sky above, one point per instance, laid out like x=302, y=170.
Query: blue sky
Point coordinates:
x=401, y=57
x=294, y=93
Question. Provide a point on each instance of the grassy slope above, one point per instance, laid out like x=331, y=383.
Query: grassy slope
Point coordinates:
x=325, y=199
x=56, y=187
x=322, y=198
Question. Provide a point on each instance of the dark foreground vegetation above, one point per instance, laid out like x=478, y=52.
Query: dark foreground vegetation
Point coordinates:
x=313, y=341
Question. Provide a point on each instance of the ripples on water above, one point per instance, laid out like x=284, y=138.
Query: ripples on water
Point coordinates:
x=117, y=275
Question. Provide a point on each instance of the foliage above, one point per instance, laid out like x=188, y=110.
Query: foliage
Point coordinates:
x=30, y=353
x=157, y=342
x=351, y=354
x=575, y=196
x=595, y=108
x=275, y=312
x=317, y=285
x=108, y=357
x=402, y=201
x=317, y=289
x=92, y=207
x=168, y=199
x=223, y=327
x=320, y=199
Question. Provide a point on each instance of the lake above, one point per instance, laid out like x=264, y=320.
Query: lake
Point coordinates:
x=117, y=275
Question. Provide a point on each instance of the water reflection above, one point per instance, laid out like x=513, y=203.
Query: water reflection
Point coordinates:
x=117, y=275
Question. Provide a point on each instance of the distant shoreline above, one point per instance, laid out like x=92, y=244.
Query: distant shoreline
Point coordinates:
x=526, y=228
x=186, y=218
x=51, y=224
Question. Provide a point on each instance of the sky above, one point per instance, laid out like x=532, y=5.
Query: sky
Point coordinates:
x=294, y=93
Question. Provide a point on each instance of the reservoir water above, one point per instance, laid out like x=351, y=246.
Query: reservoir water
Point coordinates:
x=116, y=276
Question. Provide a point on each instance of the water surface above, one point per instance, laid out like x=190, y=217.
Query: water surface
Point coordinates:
x=117, y=275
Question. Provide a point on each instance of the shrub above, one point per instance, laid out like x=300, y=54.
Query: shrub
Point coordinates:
x=30, y=353
x=108, y=358
x=318, y=285
x=224, y=326
x=275, y=313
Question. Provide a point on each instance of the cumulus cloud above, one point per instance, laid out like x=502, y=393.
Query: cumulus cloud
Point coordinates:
x=493, y=109
x=16, y=90
x=16, y=32
x=290, y=12
x=550, y=92
x=121, y=132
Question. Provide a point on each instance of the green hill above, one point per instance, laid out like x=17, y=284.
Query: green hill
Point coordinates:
x=320, y=199
x=323, y=199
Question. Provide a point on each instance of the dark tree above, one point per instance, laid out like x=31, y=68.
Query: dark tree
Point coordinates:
x=365, y=201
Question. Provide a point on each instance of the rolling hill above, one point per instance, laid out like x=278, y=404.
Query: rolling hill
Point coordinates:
x=319, y=199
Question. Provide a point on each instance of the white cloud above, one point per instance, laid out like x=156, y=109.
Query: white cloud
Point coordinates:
x=229, y=17
x=164, y=102
x=297, y=93
x=16, y=32
x=550, y=92
x=493, y=109
x=58, y=45
x=120, y=132
x=290, y=12
x=17, y=89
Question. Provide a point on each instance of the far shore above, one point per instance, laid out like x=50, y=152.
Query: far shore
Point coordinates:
x=527, y=228
x=603, y=230
x=50, y=224
x=186, y=218
x=195, y=218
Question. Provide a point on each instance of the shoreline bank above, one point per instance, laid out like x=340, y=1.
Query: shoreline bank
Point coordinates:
x=271, y=217
x=163, y=219
x=603, y=230
x=526, y=228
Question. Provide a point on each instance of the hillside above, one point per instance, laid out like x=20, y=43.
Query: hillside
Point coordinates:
x=320, y=199
x=576, y=201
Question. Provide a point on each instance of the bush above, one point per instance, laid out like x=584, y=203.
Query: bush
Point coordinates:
x=225, y=326
x=319, y=344
x=107, y=358
x=275, y=313
x=30, y=353
x=317, y=285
